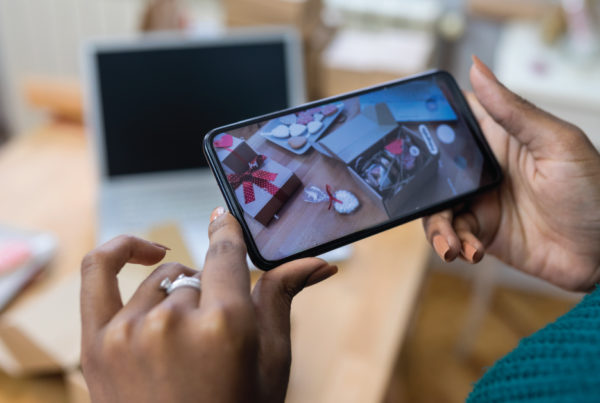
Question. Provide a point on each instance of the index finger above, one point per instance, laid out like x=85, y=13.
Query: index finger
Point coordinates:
x=100, y=296
x=225, y=277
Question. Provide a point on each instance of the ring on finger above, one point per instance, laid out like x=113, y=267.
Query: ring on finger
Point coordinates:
x=181, y=281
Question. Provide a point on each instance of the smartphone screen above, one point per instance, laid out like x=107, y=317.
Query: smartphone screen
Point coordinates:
x=309, y=179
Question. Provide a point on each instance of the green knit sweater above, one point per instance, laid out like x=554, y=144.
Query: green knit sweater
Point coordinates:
x=559, y=363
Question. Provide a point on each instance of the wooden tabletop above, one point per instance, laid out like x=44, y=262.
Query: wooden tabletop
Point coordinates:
x=47, y=183
x=346, y=332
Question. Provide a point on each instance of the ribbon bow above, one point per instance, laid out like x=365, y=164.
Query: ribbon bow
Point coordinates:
x=254, y=176
x=331, y=197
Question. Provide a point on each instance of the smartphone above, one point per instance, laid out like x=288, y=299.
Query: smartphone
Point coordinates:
x=309, y=179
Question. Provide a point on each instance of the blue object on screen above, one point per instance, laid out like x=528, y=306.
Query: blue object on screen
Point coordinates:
x=417, y=101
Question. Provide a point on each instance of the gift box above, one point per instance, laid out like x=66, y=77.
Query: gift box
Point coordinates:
x=391, y=163
x=234, y=153
x=361, y=133
x=264, y=188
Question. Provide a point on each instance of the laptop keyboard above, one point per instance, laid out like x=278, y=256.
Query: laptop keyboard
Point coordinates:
x=141, y=207
x=131, y=209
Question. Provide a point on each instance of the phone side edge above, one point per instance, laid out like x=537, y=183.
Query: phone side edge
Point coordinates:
x=233, y=205
x=230, y=199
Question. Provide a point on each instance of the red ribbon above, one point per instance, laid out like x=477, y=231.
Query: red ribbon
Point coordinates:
x=254, y=176
x=331, y=197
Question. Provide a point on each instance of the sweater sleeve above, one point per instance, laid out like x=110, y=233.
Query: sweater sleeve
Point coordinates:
x=559, y=363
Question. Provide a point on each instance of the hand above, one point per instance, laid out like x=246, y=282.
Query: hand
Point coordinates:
x=544, y=219
x=224, y=344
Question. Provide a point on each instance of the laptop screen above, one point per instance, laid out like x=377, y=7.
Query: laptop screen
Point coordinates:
x=157, y=104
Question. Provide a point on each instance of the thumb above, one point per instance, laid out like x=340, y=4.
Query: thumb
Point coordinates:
x=542, y=133
x=276, y=288
x=272, y=297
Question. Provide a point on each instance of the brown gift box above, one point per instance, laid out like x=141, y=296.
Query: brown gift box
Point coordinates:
x=361, y=133
x=400, y=199
x=234, y=153
x=265, y=204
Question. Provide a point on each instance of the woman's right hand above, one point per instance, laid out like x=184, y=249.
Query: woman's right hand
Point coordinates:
x=220, y=344
x=544, y=218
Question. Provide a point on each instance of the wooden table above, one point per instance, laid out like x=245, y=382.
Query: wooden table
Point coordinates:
x=47, y=184
x=346, y=332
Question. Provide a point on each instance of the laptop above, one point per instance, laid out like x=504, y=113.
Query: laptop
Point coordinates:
x=149, y=103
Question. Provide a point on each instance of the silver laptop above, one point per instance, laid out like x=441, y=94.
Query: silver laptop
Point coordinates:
x=151, y=100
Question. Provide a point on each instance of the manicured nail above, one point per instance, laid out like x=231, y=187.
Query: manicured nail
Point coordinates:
x=321, y=274
x=485, y=70
x=471, y=253
x=160, y=245
x=218, y=212
x=441, y=246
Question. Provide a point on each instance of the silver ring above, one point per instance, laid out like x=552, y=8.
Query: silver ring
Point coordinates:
x=182, y=281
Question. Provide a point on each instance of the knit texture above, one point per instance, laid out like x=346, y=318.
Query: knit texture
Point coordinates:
x=559, y=363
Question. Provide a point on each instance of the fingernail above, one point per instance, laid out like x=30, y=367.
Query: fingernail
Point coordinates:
x=321, y=274
x=471, y=253
x=218, y=212
x=485, y=70
x=441, y=247
x=160, y=245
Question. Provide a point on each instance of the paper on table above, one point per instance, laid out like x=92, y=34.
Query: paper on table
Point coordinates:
x=7, y=361
x=44, y=334
x=77, y=389
x=40, y=250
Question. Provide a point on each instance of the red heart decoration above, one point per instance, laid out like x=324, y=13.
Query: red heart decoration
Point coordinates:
x=395, y=147
x=225, y=141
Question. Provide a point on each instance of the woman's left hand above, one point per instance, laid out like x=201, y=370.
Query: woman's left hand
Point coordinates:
x=223, y=344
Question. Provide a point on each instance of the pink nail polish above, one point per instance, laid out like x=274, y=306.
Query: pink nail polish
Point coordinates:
x=219, y=211
x=160, y=246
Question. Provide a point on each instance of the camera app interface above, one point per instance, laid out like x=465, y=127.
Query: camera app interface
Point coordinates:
x=310, y=177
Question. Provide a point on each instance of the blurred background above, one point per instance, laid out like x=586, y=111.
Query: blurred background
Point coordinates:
x=544, y=49
x=442, y=325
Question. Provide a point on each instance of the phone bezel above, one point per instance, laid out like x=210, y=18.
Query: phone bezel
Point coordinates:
x=238, y=213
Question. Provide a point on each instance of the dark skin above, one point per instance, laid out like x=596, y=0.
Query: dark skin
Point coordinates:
x=545, y=218
x=227, y=344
